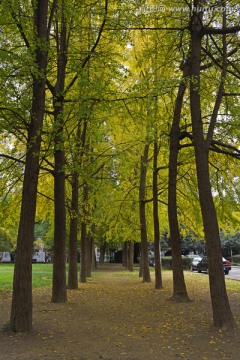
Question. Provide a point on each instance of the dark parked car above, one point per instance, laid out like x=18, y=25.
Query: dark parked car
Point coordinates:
x=195, y=262
x=203, y=265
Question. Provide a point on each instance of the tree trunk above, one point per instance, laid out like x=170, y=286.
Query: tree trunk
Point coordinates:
x=142, y=214
x=130, y=255
x=59, y=289
x=157, y=252
x=83, y=261
x=222, y=315
x=94, y=260
x=102, y=253
x=179, y=286
x=59, y=292
x=21, y=312
x=140, y=263
x=80, y=144
x=124, y=255
x=89, y=255
x=73, y=271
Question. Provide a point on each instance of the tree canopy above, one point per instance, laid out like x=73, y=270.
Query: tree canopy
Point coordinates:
x=94, y=101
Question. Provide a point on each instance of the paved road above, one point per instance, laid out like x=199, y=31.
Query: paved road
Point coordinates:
x=234, y=273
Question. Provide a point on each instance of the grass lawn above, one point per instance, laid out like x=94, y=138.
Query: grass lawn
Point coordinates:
x=42, y=275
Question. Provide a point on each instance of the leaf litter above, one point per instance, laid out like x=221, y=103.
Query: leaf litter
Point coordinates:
x=116, y=316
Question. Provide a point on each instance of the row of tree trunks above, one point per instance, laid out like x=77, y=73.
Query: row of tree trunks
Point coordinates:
x=21, y=312
x=73, y=235
x=128, y=255
x=59, y=289
x=88, y=256
x=74, y=211
x=222, y=315
x=179, y=286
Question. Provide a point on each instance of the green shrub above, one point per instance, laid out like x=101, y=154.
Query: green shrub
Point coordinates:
x=187, y=263
x=235, y=259
x=167, y=263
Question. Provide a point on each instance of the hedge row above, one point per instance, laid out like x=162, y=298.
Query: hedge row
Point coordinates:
x=235, y=259
x=167, y=263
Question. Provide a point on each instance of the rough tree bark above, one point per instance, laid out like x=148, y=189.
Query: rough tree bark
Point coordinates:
x=222, y=315
x=157, y=251
x=179, y=286
x=73, y=235
x=142, y=214
x=21, y=312
x=130, y=255
x=84, y=242
x=74, y=221
x=59, y=289
x=89, y=255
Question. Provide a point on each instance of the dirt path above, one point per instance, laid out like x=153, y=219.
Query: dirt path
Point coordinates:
x=115, y=316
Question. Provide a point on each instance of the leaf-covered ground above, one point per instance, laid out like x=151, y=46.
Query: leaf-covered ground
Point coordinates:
x=116, y=316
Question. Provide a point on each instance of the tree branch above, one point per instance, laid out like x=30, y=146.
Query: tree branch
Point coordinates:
x=9, y=157
x=85, y=61
x=231, y=94
x=145, y=28
x=222, y=31
x=20, y=28
x=47, y=197
x=220, y=89
x=20, y=161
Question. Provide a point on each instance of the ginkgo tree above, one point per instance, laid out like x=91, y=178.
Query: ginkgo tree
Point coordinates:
x=192, y=70
x=123, y=107
x=32, y=39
